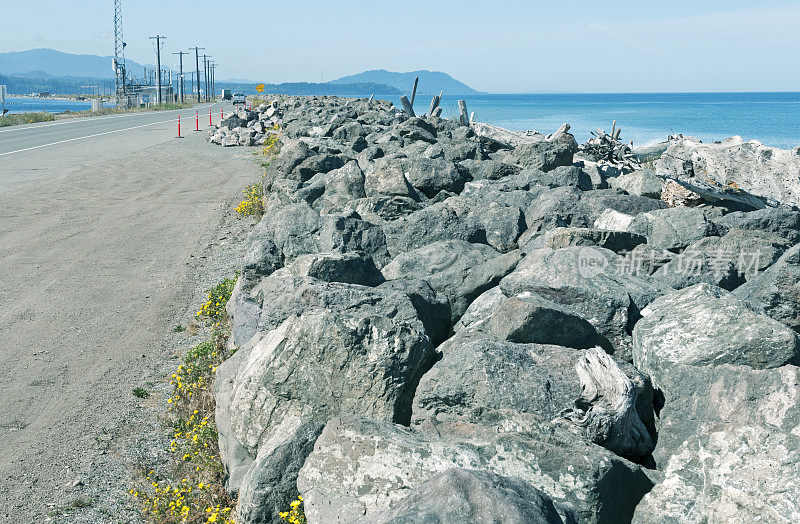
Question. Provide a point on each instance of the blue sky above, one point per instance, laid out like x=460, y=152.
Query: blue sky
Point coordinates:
x=502, y=46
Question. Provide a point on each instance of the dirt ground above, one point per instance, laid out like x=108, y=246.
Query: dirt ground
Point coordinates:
x=97, y=265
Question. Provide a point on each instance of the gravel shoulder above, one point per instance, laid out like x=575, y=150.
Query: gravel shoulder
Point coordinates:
x=99, y=265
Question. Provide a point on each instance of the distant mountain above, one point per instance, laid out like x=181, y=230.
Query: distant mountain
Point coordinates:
x=55, y=63
x=309, y=88
x=430, y=82
x=36, y=82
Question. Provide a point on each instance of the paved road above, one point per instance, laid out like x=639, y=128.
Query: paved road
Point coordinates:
x=31, y=151
x=96, y=231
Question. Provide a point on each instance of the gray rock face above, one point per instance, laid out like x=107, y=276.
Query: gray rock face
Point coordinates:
x=566, y=175
x=296, y=229
x=457, y=218
x=729, y=474
x=460, y=495
x=746, y=172
x=543, y=154
x=560, y=237
x=780, y=222
x=366, y=358
x=725, y=261
x=642, y=182
x=459, y=270
x=777, y=290
x=706, y=326
x=695, y=396
x=586, y=281
x=673, y=228
x=480, y=378
x=360, y=467
x=525, y=318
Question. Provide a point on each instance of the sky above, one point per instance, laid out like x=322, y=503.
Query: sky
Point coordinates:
x=499, y=47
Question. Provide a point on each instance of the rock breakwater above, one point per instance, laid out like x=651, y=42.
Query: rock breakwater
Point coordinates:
x=443, y=322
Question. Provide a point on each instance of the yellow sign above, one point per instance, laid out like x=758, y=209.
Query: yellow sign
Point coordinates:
x=260, y=88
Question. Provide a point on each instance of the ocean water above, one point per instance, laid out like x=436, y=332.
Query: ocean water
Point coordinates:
x=50, y=105
x=771, y=118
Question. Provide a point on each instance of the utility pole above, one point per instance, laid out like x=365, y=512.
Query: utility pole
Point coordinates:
x=197, y=68
x=181, y=84
x=205, y=75
x=158, y=38
x=213, y=90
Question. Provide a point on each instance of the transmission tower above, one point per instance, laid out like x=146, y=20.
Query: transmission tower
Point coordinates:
x=119, y=52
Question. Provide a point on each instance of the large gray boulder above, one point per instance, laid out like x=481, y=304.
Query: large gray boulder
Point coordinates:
x=459, y=270
x=704, y=325
x=617, y=241
x=456, y=218
x=777, y=290
x=510, y=387
x=544, y=155
x=361, y=467
x=460, y=495
x=430, y=176
x=745, y=172
x=524, y=318
x=726, y=261
x=363, y=351
x=292, y=230
x=694, y=396
x=778, y=221
x=673, y=228
x=642, y=182
x=729, y=474
x=589, y=282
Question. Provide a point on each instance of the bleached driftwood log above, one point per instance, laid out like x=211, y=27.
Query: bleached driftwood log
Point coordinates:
x=407, y=107
x=605, y=412
x=464, y=116
x=434, y=104
x=558, y=133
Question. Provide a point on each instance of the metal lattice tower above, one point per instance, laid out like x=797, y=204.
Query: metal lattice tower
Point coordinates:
x=119, y=52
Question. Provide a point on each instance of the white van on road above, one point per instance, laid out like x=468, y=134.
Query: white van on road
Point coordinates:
x=239, y=98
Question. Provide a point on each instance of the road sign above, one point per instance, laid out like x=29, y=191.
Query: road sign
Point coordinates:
x=260, y=88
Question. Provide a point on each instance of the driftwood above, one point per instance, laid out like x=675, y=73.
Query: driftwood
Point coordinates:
x=371, y=97
x=464, y=116
x=608, y=148
x=407, y=107
x=434, y=104
x=437, y=112
x=605, y=412
x=561, y=131
x=414, y=91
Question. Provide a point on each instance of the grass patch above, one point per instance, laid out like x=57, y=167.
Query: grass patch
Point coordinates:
x=140, y=393
x=178, y=329
x=25, y=118
x=191, y=489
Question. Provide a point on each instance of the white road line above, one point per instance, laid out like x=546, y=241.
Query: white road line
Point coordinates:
x=92, y=119
x=88, y=136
